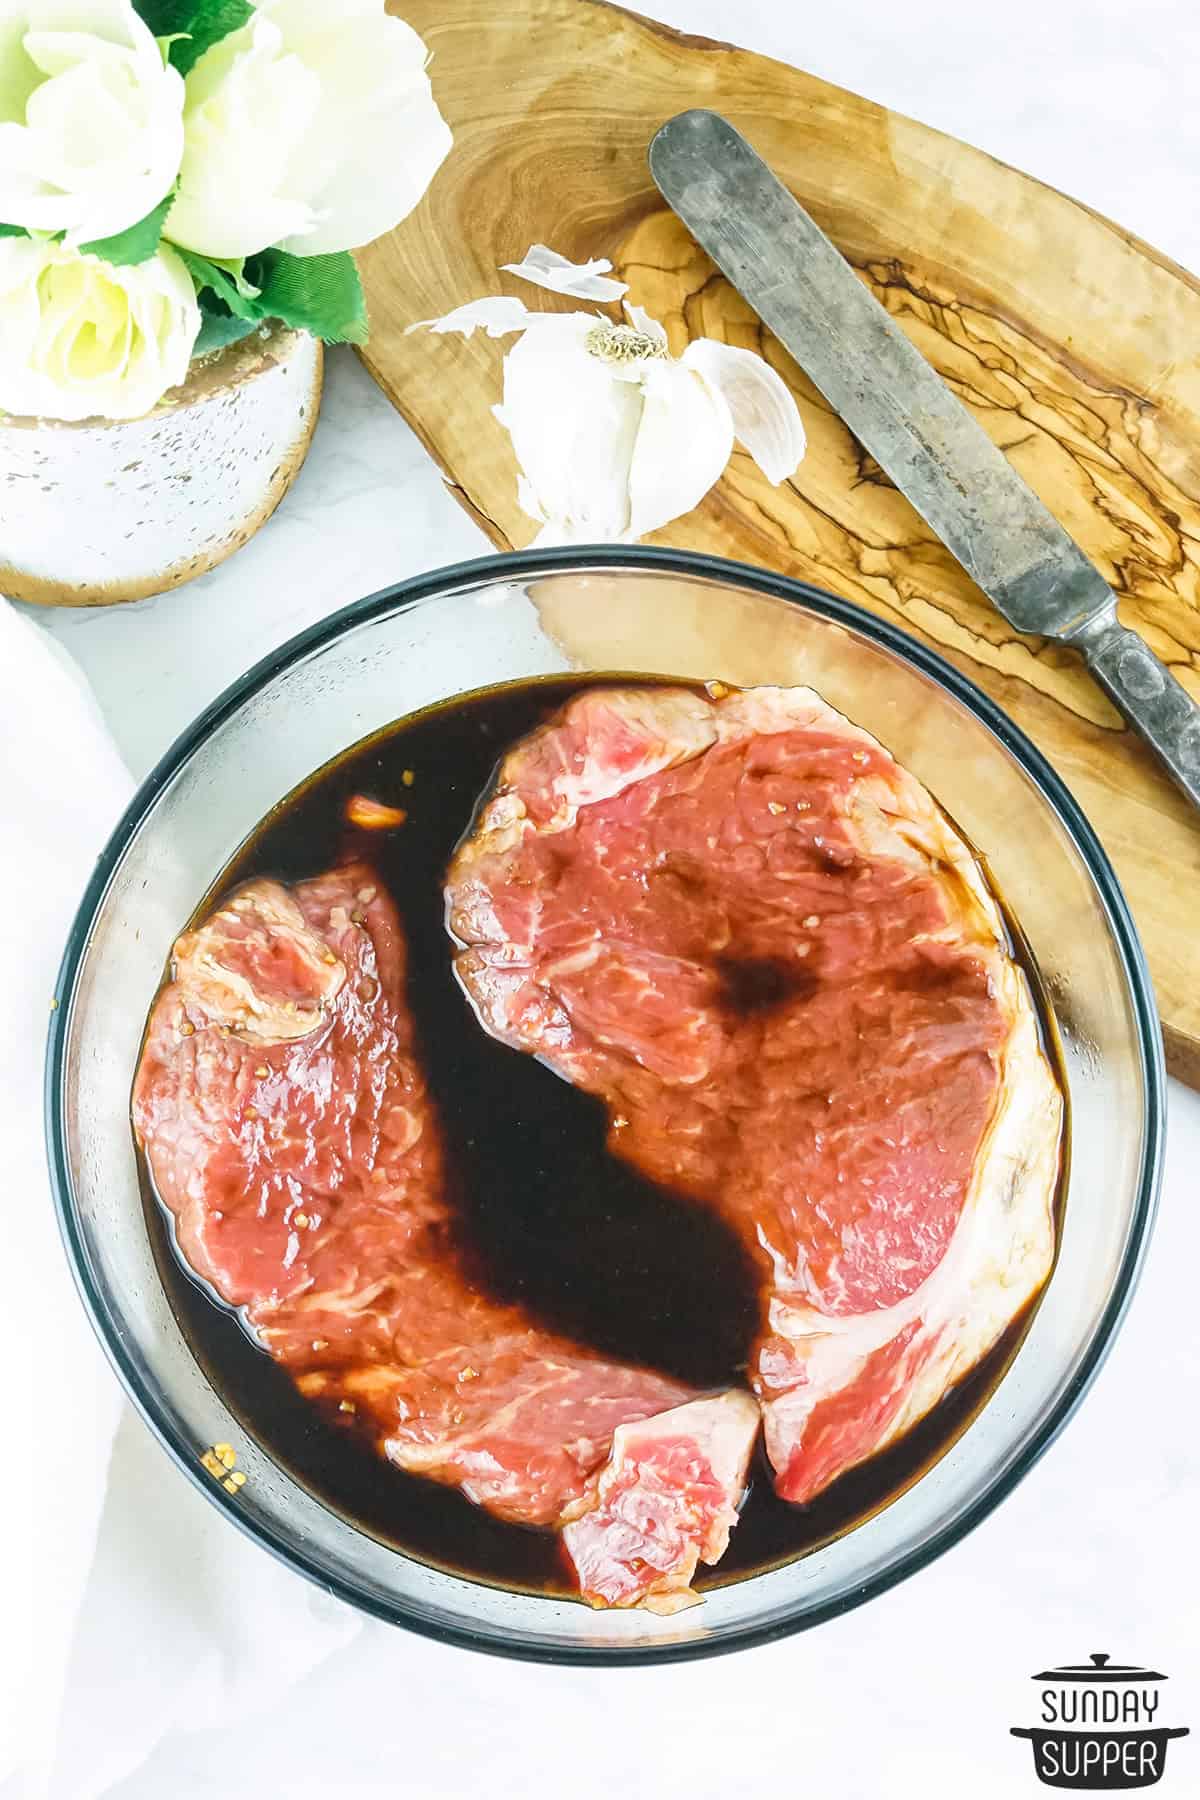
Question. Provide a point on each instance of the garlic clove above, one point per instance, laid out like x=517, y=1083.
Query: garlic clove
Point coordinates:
x=582, y=281
x=573, y=430
x=765, y=418
x=641, y=321
x=613, y=437
x=683, y=445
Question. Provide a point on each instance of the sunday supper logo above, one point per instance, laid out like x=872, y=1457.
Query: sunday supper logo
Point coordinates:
x=1100, y=1726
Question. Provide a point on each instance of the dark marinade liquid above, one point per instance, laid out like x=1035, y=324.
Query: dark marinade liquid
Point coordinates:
x=546, y=1215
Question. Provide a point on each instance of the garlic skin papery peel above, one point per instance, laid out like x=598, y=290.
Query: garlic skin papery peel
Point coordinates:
x=614, y=437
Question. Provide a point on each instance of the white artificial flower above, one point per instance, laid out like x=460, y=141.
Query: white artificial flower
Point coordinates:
x=313, y=128
x=613, y=436
x=91, y=121
x=80, y=339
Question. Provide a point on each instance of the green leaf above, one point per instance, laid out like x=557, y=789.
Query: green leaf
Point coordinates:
x=321, y=294
x=193, y=25
x=137, y=244
x=218, y=329
x=13, y=231
x=226, y=281
x=164, y=45
x=235, y=268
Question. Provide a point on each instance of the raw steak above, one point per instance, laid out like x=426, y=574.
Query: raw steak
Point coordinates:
x=665, y=1502
x=287, y=1126
x=751, y=932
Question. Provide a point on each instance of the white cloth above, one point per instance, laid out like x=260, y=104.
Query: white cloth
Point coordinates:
x=182, y=1612
x=62, y=786
x=187, y=1625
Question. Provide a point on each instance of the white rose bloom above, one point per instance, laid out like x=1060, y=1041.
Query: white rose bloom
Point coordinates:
x=613, y=436
x=91, y=122
x=313, y=128
x=80, y=339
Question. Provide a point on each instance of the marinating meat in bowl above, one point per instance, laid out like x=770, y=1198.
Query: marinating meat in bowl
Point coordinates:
x=532, y=1223
x=733, y=918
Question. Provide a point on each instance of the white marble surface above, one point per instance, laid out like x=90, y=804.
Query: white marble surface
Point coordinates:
x=914, y=1694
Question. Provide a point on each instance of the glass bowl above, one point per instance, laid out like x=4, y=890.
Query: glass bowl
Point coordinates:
x=631, y=610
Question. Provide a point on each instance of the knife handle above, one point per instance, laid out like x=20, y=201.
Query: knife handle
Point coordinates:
x=1144, y=689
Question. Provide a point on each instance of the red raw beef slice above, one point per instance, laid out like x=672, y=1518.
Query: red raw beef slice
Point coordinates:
x=288, y=1129
x=758, y=939
x=666, y=1501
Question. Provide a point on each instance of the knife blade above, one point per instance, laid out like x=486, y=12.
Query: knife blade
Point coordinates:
x=903, y=413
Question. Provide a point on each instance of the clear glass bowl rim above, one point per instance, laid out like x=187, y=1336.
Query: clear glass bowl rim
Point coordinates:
x=513, y=566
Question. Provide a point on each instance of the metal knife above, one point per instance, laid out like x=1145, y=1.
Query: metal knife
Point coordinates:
x=904, y=414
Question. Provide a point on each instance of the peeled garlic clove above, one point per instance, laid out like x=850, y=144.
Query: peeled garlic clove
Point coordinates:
x=765, y=418
x=582, y=281
x=683, y=444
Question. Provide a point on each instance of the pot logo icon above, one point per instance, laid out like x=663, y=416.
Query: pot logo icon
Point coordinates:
x=1100, y=1726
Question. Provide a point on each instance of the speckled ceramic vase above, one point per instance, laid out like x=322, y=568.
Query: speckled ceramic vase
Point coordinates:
x=102, y=511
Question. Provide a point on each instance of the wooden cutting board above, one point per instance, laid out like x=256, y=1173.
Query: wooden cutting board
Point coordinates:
x=1075, y=345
